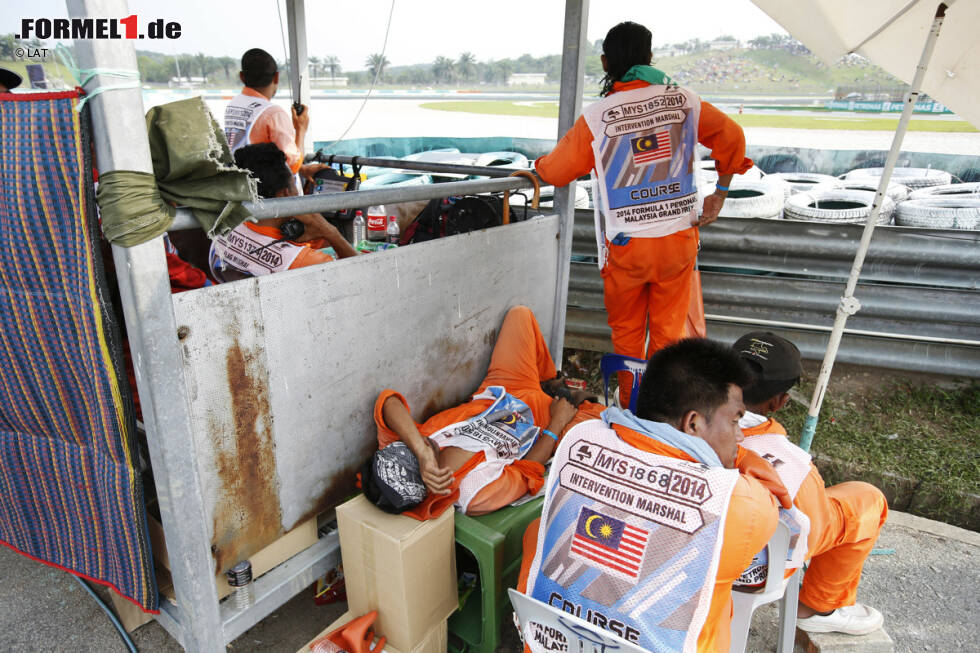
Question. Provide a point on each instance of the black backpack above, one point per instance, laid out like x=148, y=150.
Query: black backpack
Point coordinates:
x=454, y=215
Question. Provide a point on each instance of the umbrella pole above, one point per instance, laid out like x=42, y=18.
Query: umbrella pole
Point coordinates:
x=849, y=305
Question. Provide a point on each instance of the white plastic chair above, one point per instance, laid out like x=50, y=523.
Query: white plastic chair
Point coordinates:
x=595, y=640
x=554, y=624
x=786, y=591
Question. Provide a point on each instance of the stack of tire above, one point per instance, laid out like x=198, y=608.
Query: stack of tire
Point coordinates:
x=915, y=197
x=750, y=195
x=952, y=206
x=933, y=202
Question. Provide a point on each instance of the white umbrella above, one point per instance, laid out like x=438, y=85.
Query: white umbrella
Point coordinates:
x=901, y=36
x=891, y=34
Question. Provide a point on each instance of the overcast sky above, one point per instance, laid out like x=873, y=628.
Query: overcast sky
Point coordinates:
x=421, y=30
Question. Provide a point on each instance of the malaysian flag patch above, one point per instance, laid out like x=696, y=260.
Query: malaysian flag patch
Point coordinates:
x=609, y=544
x=650, y=148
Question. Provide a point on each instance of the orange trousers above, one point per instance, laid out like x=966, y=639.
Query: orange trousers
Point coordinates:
x=647, y=285
x=845, y=520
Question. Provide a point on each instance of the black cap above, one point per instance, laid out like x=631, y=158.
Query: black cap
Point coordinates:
x=9, y=78
x=773, y=357
x=391, y=479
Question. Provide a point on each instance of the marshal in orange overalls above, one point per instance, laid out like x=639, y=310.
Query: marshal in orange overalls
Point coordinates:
x=845, y=520
x=648, y=282
x=750, y=522
x=520, y=362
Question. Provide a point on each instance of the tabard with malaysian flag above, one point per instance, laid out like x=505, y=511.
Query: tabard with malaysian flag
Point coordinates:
x=629, y=540
x=644, y=143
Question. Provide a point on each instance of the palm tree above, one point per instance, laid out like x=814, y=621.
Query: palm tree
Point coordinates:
x=376, y=64
x=467, y=65
x=333, y=65
x=8, y=44
x=444, y=69
x=502, y=71
x=227, y=63
x=204, y=62
x=314, y=63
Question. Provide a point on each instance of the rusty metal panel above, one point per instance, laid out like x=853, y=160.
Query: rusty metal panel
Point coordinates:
x=282, y=371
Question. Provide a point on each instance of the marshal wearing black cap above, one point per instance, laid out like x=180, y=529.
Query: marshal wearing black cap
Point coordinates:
x=775, y=361
x=8, y=80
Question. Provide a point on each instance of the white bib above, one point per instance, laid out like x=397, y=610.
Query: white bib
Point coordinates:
x=645, y=146
x=629, y=540
x=792, y=464
x=240, y=114
x=240, y=249
x=505, y=432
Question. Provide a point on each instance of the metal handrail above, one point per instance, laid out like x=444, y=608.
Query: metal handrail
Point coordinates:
x=282, y=207
x=422, y=166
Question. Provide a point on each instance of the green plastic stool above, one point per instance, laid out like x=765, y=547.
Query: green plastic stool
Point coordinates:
x=496, y=542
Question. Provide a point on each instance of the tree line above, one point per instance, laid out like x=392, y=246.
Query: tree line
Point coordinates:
x=156, y=67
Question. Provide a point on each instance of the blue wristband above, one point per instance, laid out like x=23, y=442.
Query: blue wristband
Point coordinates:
x=550, y=434
x=720, y=187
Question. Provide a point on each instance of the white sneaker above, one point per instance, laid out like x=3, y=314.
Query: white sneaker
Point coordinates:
x=855, y=619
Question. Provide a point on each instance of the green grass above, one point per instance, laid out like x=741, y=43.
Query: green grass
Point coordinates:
x=919, y=431
x=847, y=123
x=862, y=123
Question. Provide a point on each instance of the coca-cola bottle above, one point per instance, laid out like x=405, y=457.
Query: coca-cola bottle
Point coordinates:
x=377, y=222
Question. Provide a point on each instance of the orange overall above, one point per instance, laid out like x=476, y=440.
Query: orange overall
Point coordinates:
x=648, y=282
x=845, y=520
x=520, y=362
x=750, y=522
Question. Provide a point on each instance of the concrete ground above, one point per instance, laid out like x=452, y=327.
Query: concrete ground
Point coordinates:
x=926, y=590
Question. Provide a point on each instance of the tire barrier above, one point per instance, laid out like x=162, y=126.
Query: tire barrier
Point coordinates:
x=751, y=199
x=837, y=205
x=939, y=213
x=918, y=290
x=708, y=175
x=805, y=181
x=898, y=192
x=958, y=191
x=914, y=178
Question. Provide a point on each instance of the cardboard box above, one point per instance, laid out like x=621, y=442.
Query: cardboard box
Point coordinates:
x=300, y=538
x=435, y=641
x=401, y=567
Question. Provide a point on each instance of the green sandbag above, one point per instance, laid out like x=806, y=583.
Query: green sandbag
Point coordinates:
x=193, y=168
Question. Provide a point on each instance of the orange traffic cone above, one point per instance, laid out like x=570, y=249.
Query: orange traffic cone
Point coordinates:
x=352, y=637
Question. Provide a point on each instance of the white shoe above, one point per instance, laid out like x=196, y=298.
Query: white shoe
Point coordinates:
x=855, y=619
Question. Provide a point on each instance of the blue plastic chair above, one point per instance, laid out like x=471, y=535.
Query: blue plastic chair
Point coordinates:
x=618, y=363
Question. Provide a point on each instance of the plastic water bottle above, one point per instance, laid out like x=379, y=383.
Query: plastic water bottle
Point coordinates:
x=393, y=232
x=360, y=228
x=240, y=577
